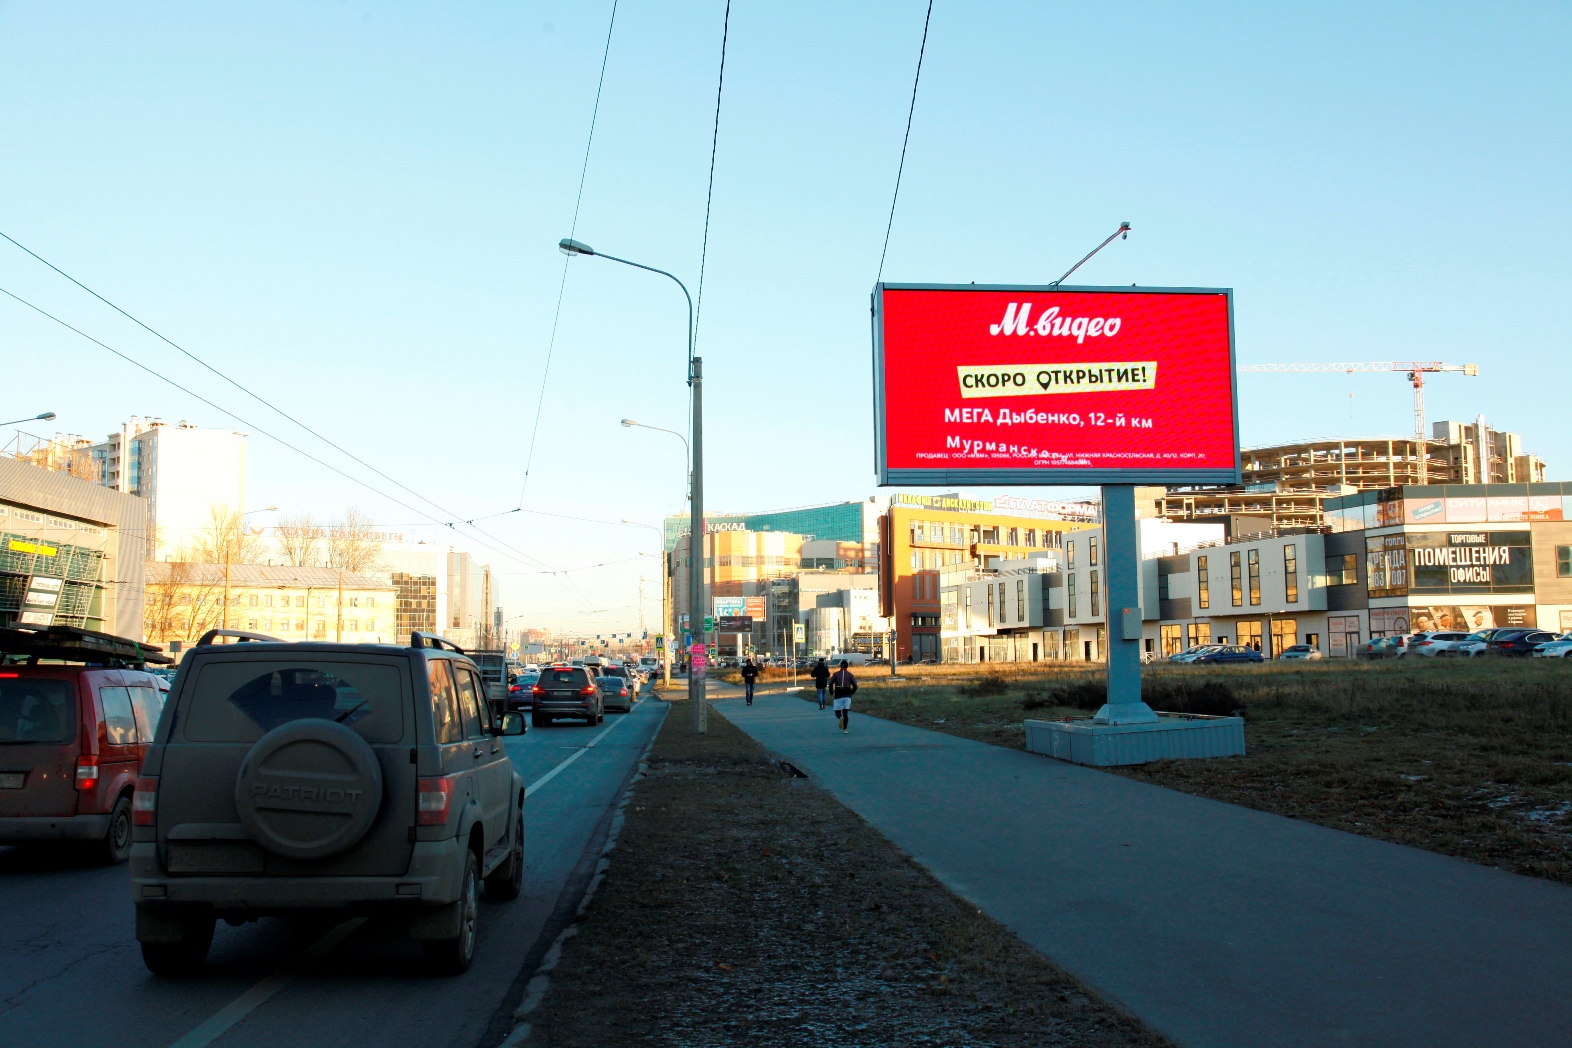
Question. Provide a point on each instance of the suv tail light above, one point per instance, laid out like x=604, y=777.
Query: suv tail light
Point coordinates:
x=434, y=801
x=588, y=691
x=144, y=802
x=87, y=771
x=537, y=690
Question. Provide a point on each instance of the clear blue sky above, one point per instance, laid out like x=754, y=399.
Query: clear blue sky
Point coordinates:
x=352, y=209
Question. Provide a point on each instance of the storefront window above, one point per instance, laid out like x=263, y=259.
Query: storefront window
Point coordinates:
x=1198, y=633
x=1172, y=638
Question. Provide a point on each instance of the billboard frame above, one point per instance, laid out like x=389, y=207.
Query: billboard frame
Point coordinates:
x=888, y=477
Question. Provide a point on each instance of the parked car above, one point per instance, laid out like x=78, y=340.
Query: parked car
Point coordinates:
x=1192, y=653
x=1474, y=644
x=1437, y=644
x=1519, y=642
x=73, y=737
x=1560, y=648
x=566, y=691
x=1301, y=651
x=296, y=778
x=1383, y=647
x=1228, y=653
x=615, y=692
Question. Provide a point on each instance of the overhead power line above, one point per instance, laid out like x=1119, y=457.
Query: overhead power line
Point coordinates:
x=709, y=194
x=562, y=286
x=910, y=112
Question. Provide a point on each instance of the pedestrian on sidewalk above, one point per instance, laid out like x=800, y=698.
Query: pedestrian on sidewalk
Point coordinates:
x=750, y=673
x=844, y=686
x=821, y=680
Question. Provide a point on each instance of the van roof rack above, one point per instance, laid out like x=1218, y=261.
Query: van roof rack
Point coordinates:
x=241, y=637
x=431, y=640
x=72, y=644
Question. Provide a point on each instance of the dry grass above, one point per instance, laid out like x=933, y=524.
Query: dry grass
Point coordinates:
x=1468, y=757
x=744, y=906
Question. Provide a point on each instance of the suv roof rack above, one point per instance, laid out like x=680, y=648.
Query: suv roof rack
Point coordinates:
x=241, y=637
x=72, y=644
x=431, y=640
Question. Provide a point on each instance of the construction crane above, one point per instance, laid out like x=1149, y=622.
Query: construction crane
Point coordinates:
x=1416, y=369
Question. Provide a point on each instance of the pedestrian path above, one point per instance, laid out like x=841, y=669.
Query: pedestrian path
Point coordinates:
x=1215, y=924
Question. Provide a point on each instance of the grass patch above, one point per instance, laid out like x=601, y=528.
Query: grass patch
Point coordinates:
x=744, y=906
x=1472, y=758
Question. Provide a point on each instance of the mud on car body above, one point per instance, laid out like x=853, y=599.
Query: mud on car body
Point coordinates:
x=291, y=777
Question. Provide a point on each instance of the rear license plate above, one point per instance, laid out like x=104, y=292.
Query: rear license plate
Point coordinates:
x=11, y=780
x=215, y=858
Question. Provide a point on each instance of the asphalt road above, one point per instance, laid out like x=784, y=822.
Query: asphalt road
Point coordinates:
x=73, y=973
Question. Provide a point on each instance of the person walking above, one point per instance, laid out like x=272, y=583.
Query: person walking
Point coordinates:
x=844, y=686
x=821, y=680
x=750, y=673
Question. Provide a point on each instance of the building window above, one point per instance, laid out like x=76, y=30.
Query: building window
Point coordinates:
x=1203, y=583
x=1015, y=537
x=1291, y=573
x=1069, y=554
x=1031, y=538
x=1020, y=600
x=968, y=607
x=1172, y=638
x=1254, y=558
x=1236, y=578
x=1096, y=607
x=253, y=600
x=1198, y=633
x=1250, y=635
x=352, y=626
x=267, y=601
x=1069, y=593
x=252, y=624
x=1343, y=570
x=1564, y=562
x=990, y=605
x=916, y=559
x=300, y=602
x=955, y=535
x=1091, y=557
x=1283, y=633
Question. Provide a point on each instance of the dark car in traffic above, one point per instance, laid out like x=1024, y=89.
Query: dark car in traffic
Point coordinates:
x=566, y=691
x=73, y=732
x=616, y=692
x=1520, y=642
x=1228, y=653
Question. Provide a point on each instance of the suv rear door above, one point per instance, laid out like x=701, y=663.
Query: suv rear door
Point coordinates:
x=493, y=770
x=227, y=702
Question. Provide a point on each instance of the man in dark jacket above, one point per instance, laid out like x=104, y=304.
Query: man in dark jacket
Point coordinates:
x=821, y=681
x=750, y=673
x=845, y=686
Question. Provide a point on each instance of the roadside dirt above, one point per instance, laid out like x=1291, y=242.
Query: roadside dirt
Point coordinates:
x=746, y=906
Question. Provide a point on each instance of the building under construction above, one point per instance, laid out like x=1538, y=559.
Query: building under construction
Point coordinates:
x=1286, y=484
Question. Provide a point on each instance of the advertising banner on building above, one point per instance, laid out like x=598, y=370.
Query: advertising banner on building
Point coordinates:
x=753, y=607
x=40, y=599
x=1462, y=618
x=1050, y=385
x=734, y=624
x=725, y=607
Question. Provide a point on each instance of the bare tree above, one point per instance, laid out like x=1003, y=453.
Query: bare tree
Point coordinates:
x=183, y=601
x=226, y=538
x=300, y=539
x=352, y=545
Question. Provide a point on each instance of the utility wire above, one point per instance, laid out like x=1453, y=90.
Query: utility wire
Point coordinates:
x=516, y=555
x=562, y=287
x=709, y=195
x=909, y=113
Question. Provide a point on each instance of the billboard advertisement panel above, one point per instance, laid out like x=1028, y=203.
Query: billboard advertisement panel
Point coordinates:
x=1053, y=385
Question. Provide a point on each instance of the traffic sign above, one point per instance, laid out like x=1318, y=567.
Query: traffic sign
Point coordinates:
x=709, y=624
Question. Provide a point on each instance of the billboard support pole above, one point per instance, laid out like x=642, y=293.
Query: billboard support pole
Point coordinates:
x=1123, y=567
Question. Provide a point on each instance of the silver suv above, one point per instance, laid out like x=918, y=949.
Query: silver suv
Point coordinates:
x=288, y=777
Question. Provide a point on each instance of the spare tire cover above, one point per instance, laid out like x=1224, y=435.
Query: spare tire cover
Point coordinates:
x=309, y=789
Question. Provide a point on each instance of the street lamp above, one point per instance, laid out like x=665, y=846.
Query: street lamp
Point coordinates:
x=665, y=593
x=696, y=693
x=47, y=416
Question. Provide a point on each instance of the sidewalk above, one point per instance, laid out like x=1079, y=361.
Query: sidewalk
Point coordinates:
x=1215, y=924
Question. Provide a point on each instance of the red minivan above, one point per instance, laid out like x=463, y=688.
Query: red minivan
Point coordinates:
x=78, y=710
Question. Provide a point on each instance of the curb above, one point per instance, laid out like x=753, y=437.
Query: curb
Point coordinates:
x=535, y=990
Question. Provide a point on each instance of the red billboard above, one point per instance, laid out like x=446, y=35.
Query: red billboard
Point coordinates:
x=1050, y=385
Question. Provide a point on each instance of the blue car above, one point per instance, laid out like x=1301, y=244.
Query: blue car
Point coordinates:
x=1229, y=653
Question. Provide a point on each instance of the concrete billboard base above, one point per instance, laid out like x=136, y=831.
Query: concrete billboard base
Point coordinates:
x=1171, y=737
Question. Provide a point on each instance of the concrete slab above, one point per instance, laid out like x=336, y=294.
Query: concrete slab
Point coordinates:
x=1172, y=736
x=1215, y=924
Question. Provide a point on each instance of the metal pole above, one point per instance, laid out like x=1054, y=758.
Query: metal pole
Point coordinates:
x=665, y=611
x=696, y=605
x=1122, y=566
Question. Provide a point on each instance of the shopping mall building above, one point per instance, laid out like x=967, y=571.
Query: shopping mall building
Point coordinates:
x=1392, y=561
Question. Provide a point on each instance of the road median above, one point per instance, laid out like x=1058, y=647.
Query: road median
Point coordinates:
x=746, y=905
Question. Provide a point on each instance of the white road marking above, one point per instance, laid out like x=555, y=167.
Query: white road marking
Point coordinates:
x=247, y=1002
x=553, y=773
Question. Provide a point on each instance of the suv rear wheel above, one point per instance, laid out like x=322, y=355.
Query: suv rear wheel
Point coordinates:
x=454, y=956
x=185, y=956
